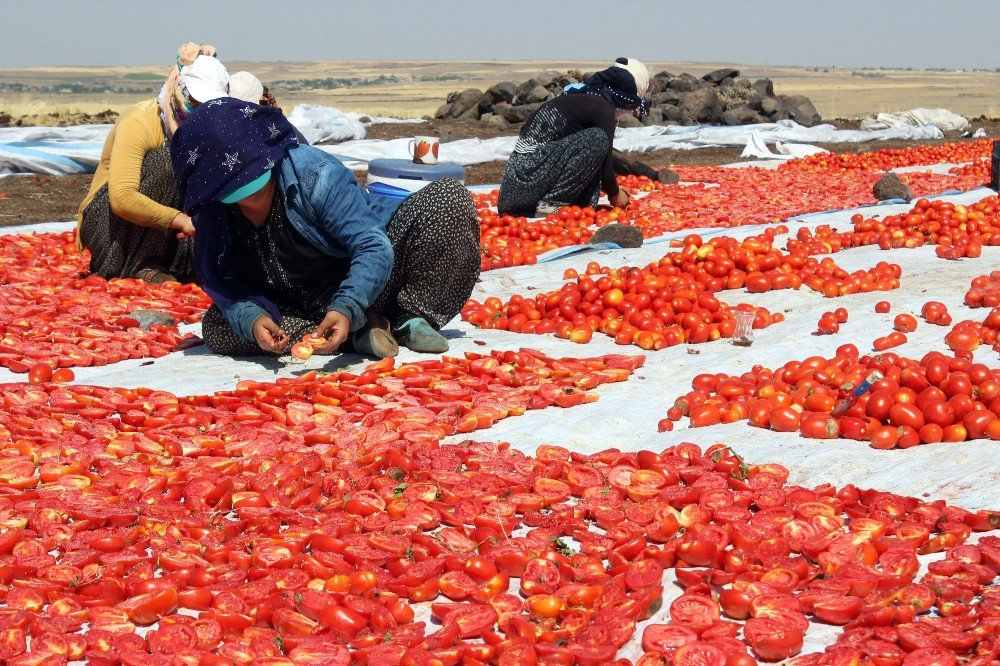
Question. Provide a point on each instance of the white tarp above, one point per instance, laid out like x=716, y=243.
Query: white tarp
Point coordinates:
x=356, y=154
x=321, y=124
x=943, y=119
x=61, y=150
x=757, y=148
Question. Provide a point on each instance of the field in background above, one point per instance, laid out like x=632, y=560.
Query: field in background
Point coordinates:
x=422, y=86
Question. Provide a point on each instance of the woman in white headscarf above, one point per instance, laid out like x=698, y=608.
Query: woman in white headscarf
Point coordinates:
x=563, y=154
x=130, y=220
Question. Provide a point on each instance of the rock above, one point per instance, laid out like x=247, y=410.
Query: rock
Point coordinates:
x=781, y=113
x=726, y=83
x=764, y=86
x=619, y=234
x=654, y=117
x=522, y=91
x=494, y=121
x=668, y=177
x=703, y=105
x=501, y=92
x=464, y=101
x=684, y=83
x=567, y=79
x=741, y=115
x=670, y=114
x=657, y=85
x=518, y=114
x=741, y=83
x=666, y=97
x=628, y=120
x=472, y=113
x=769, y=106
x=663, y=75
x=537, y=95
x=890, y=186
x=549, y=78
x=720, y=75
x=687, y=119
x=501, y=108
x=800, y=109
x=147, y=318
x=442, y=111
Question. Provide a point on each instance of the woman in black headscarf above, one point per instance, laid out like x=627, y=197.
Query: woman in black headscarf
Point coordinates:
x=563, y=154
x=289, y=244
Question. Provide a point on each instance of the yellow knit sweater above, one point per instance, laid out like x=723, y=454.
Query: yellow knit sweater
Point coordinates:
x=138, y=131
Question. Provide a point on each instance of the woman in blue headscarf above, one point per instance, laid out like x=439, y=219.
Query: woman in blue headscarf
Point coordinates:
x=563, y=154
x=289, y=244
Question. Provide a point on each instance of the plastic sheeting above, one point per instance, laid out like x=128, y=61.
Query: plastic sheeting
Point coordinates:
x=756, y=147
x=321, y=124
x=48, y=152
x=943, y=119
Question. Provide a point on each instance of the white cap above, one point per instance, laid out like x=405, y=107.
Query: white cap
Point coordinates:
x=639, y=73
x=246, y=87
x=205, y=79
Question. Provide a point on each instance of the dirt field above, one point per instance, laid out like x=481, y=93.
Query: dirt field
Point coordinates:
x=43, y=199
x=837, y=93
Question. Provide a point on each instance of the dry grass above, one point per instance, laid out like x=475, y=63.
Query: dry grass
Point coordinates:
x=836, y=94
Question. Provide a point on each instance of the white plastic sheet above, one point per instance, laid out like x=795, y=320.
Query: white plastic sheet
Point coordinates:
x=757, y=148
x=320, y=124
x=943, y=119
x=47, y=156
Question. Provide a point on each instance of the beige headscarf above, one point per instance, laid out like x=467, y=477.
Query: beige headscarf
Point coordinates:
x=171, y=98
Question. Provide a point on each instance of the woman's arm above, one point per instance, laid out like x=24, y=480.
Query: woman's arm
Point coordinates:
x=343, y=213
x=132, y=141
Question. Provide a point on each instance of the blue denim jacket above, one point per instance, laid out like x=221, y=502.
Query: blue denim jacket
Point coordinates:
x=331, y=211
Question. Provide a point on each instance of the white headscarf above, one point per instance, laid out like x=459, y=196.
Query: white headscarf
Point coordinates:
x=638, y=72
x=246, y=87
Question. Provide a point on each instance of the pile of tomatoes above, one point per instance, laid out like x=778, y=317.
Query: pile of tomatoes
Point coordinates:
x=508, y=241
x=984, y=291
x=671, y=301
x=298, y=522
x=933, y=399
x=280, y=520
x=886, y=159
x=50, y=313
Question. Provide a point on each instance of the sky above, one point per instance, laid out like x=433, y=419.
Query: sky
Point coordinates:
x=845, y=33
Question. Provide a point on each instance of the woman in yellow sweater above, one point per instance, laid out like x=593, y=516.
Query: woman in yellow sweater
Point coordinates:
x=130, y=219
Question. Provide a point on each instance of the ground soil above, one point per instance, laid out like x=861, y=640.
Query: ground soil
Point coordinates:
x=31, y=199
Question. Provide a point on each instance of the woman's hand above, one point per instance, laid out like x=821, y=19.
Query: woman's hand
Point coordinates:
x=269, y=335
x=183, y=224
x=335, y=327
x=621, y=200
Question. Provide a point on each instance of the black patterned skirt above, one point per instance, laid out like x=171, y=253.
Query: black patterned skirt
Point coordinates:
x=119, y=248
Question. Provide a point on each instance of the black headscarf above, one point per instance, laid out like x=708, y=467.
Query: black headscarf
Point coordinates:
x=614, y=84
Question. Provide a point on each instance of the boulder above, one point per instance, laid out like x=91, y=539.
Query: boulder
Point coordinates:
x=671, y=114
x=741, y=115
x=619, y=234
x=668, y=177
x=522, y=91
x=741, y=83
x=684, y=83
x=628, y=120
x=764, y=86
x=769, y=106
x=472, y=113
x=442, y=111
x=890, y=186
x=537, y=95
x=720, y=75
x=703, y=105
x=501, y=108
x=464, y=101
x=494, y=121
x=501, y=92
x=657, y=85
x=666, y=97
x=800, y=109
x=654, y=117
x=518, y=114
